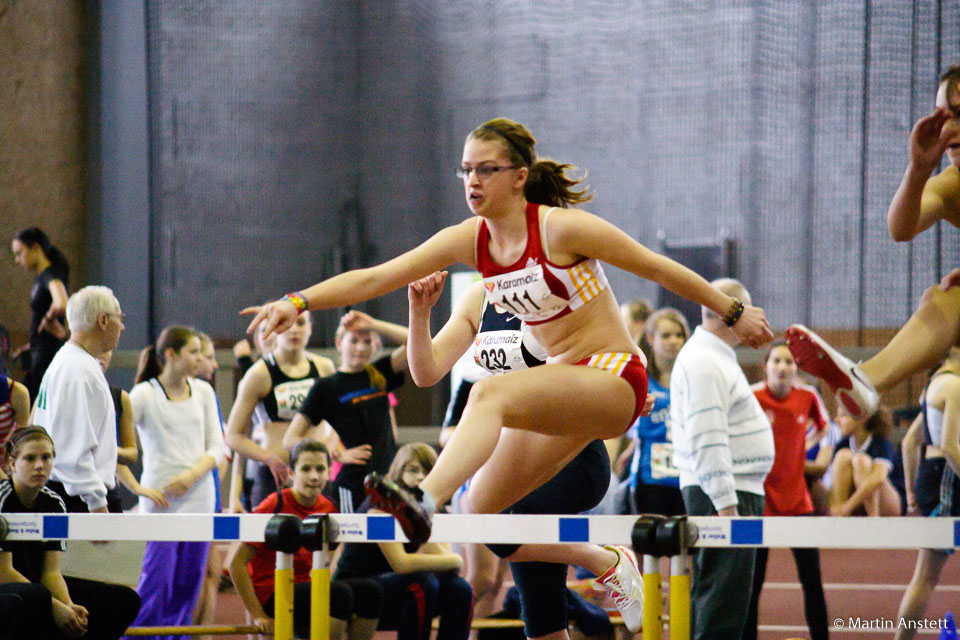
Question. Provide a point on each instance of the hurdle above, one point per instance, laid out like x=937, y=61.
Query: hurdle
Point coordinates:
x=714, y=532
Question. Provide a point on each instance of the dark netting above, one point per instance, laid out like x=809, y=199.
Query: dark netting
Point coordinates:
x=780, y=125
x=888, y=104
x=295, y=139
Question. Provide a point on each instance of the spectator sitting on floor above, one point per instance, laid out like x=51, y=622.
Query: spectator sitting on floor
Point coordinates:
x=861, y=467
x=70, y=607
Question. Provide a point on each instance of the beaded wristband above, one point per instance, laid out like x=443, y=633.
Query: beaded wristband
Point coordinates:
x=298, y=301
x=736, y=310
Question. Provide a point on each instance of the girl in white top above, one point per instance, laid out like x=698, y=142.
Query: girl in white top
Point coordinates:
x=179, y=426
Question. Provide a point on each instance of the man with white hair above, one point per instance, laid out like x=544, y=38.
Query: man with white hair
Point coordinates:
x=723, y=447
x=75, y=406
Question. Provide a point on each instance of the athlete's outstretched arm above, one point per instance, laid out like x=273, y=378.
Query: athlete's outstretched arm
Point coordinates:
x=579, y=233
x=447, y=246
x=432, y=358
x=919, y=200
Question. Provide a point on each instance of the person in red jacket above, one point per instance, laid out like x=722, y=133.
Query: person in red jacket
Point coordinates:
x=792, y=408
x=252, y=564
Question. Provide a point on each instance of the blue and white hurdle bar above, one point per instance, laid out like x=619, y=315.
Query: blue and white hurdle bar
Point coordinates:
x=771, y=532
x=714, y=532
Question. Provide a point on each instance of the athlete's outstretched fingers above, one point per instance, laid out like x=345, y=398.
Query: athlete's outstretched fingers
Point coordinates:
x=259, y=313
x=280, y=316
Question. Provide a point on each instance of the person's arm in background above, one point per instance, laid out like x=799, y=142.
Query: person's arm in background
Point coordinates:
x=430, y=557
x=126, y=478
x=238, y=466
x=819, y=421
x=254, y=386
x=68, y=616
x=625, y=456
x=244, y=356
x=301, y=424
x=818, y=466
x=910, y=448
x=57, y=310
x=240, y=554
x=127, y=452
x=397, y=333
x=20, y=401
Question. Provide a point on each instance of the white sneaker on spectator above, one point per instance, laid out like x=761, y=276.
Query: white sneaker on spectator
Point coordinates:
x=625, y=585
x=844, y=377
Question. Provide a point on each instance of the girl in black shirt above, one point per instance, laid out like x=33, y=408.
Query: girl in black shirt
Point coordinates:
x=77, y=607
x=48, y=301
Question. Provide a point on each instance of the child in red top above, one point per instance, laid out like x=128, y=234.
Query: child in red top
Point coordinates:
x=792, y=408
x=252, y=565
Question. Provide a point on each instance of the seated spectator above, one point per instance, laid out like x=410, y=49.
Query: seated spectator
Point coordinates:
x=861, y=467
x=71, y=607
x=353, y=602
x=418, y=585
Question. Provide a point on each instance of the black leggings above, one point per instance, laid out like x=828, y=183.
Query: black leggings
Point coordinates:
x=22, y=604
x=414, y=599
x=814, y=604
x=110, y=608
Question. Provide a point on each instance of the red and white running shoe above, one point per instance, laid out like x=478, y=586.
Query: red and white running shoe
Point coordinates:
x=844, y=377
x=625, y=585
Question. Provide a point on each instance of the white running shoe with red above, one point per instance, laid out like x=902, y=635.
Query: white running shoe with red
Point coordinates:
x=844, y=377
x=625, y=585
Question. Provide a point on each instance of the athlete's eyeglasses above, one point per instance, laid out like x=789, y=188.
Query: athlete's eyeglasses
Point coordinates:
x=483, y=172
